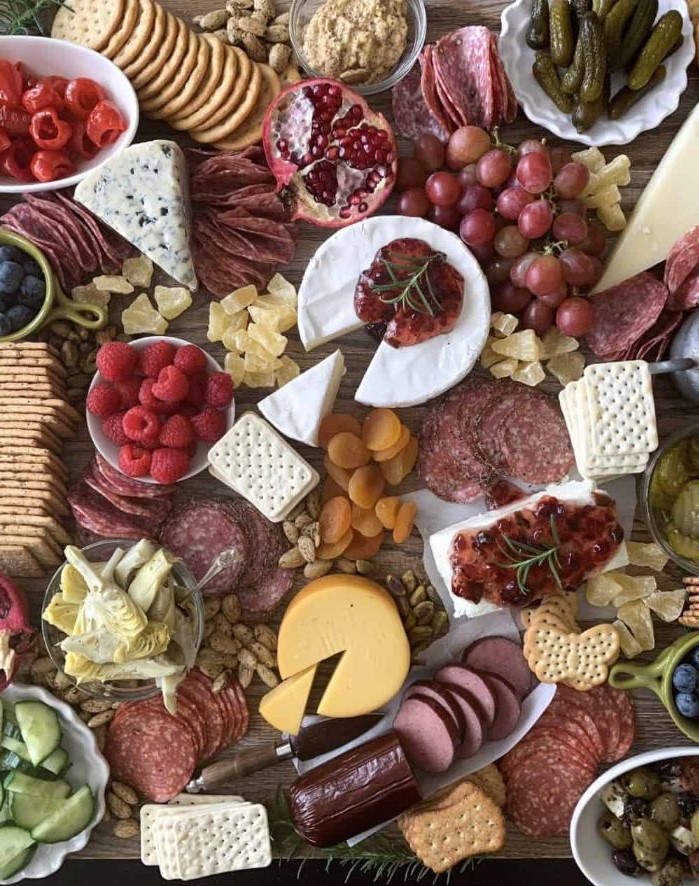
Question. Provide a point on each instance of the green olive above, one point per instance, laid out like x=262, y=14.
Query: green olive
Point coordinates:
x=642, y=783
x=665, y=810
x=613, y=831
x=650, y=844
x=695, y=827
x=670, y=874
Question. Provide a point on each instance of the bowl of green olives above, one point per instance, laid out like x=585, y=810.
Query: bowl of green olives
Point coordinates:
x=641, y=819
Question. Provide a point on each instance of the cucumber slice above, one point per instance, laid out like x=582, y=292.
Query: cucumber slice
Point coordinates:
x=70, y=819
x=58, y=762
x=9, y=761
x=27, y=811
x=5, y=814
x=11, y=729
x=15, y=846
x=19, y=783
x=41, y=731
x=17, y=747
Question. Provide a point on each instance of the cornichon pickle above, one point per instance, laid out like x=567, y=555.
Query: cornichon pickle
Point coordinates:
x=586, y=114
x=538, y=31
x=603, y=7
x=638, y=30
x=561, y=33
x=614, y=23
x=595, y=60
x=571, y=80
x=685, y=510
x=683, y=545
x=580, y=7
x=546, y=75
x=626, y=98
x=662, y=39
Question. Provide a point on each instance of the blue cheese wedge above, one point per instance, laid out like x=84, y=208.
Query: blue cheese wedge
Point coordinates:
x=143, y=194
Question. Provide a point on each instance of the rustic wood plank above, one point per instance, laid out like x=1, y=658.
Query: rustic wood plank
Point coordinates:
x=655, y=728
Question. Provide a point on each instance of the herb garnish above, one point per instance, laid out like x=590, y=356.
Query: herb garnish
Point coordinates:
x=28, y=16
x=415, y=290
x=523, y=556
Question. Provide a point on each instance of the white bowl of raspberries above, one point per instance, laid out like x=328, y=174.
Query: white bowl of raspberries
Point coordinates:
x=156, y=406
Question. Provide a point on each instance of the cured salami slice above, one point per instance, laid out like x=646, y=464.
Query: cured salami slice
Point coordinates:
x=139, y=507
x=462, y=67
x=542, y=794
x=536, y=446
x=214, y=717
x=96, y=514
x=686, y=296
x=621, y=314
x=124, y=485
x=682, y=261
x=428, y=87
x=654, y=343
x=412, y=116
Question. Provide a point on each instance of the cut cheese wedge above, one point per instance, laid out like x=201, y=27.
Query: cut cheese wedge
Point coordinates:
x=405, y=376
x=666, y=210
x=354, y=616
x=143, y=194
x=298, y=407
x=285, y=705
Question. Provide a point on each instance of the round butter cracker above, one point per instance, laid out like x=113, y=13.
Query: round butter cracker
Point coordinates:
x=141, y=34
x=235, y=75
x=155, y=108
x=166, y=65
x=153, y=47
x=207, y=88
x=250, y=131
x=90, y=23
x=124, y=31
x=232, y=118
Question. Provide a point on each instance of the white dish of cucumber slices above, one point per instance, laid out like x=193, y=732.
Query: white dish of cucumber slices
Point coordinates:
x=52, y=783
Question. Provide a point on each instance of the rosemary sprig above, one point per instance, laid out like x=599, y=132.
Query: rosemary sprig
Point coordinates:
x=28, y=16
x=414, y=291
x=522, y=556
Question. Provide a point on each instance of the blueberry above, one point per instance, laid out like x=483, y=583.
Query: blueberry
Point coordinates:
x=11, y=275
x=32, y=288
x=685, y=678
x=5, y=325
x=694, y=657
x=11, y=253
x=687, y=704
x=31, y=267
x=20, y=316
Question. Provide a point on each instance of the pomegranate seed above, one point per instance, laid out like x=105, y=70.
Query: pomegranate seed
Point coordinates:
x=362, y=207
x=332, y=153
x=307, y=158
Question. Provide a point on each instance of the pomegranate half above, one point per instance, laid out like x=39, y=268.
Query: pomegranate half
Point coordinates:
x=334, y=159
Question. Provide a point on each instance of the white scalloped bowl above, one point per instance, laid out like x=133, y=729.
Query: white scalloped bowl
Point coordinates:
x=648, y=113
x=88, y=767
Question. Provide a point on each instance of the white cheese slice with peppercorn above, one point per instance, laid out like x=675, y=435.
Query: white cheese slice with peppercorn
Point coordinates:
x=574, y=492
x=404, y=376
x=143, y=194
x=298, y=407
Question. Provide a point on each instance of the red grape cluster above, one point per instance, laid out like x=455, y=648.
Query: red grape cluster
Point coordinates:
x=521, y=215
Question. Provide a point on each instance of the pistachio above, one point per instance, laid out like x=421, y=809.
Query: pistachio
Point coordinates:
x=247, y=659
x=265, y=635
x=219, y=642
x=222, y=625
x=73, y=335
x=117, y=806
x=251, y=24
x=89, y=363
x=127, y=829
x=420, y=632
x=403, y=606
x=220, y=683
x=440, y=623
x=245, y=675
x=307, y=549
x=212, y=606
x=290, y=531
x=277, y=34
x=355, y=75
x=418, y=595
x=105, y=335
x=211, y=21
x=349, y=567
x=419, y=648
x=61, y=680
x=423, y=612
x=317, y=569
x=210, y=656
x=97, y=720
x=365, y=567
x=292, y=559
x=243, y=634
x=80, y=380
x=231, y=608
x=263, y=654
x=268, y=677
x=409, y=621
x=95, y=705
x=313, y=497
x=125, y=793
x=409, y=580
x=395, y=586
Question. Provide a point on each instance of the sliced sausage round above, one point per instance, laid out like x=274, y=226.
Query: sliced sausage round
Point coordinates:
x=439, y=694
x=427, y=733
x=507, y=708
x=474, y=685
x=504, y=659
x=473, y=733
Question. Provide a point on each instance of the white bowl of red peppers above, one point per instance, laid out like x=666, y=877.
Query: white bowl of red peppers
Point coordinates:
x=64, y=110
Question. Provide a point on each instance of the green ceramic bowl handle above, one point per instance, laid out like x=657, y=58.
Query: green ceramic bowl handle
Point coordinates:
x=626, y=675
x=82, y=314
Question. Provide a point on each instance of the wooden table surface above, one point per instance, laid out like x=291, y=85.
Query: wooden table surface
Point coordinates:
x=654, y=727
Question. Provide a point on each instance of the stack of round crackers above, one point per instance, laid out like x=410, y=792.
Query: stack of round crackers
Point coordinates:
x=194, y=82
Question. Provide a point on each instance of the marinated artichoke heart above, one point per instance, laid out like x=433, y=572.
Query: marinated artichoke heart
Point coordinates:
x=114, y=610
x=144, y=588
x=85, y=671
x=132, y=560
x=73, y=585
x=61, y=614
x=104, y=647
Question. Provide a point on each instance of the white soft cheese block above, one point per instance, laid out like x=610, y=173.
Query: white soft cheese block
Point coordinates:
x=578, y=492
x=665, y=211
x=404, y=376
x=298, y=408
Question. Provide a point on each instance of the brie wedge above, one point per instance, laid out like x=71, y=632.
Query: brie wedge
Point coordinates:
x=405, y=376
x=578, y=492
x=297, y=408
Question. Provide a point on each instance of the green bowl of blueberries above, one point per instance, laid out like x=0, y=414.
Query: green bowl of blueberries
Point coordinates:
x=30, y=296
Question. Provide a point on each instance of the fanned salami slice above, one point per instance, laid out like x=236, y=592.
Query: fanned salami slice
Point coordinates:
x=686, y=296
x=542, y=794
x=96, y=514
x=124, y=485
x=682, y=260
x=428, y=87
x=536, y=444
x=462, y=65
x=654, y=343
x=152, y=509
x=623, y=313
x=410, y=112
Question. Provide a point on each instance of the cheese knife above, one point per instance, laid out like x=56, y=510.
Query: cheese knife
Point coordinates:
x=312, y=741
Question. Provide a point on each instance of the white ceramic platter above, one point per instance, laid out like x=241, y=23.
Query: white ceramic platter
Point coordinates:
x=648, y=113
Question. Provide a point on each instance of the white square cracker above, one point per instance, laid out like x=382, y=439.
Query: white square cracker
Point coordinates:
x=593, y=462
x=621, y=408
x=258, y=463
x=215, y=841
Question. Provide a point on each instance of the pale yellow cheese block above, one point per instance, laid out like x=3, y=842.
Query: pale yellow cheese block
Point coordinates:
x=284, y=706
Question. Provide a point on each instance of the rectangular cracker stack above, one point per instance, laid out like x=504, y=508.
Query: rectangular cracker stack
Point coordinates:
x=35, y=420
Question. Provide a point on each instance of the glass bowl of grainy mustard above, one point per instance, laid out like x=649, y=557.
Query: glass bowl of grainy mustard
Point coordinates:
x=368, y=44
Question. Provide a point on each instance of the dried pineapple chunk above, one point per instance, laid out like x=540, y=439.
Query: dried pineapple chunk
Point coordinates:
x=235, y=367
x=567, y=367
x=239, y=299
x=602, y=589
x=667, y=605
x=488, y=355
x=90, y=295
x=650, y=555
x=616, y=172
x=636, y=616
x=529, y=373
x=256, y=363
x=115, y=285
x=238, y=322
x=288, y=370
x=524, y=345
x=272, y=341
x=138, y=271
x=172, y=300
x=555, y=343
x=603, y=197
x=282, y=289
x=218, y=322
x=629, y=644
x=634, y=587
x=504, y=323
x=141, y=316
x=259, y=379
x=612, y=217
x=504, y=368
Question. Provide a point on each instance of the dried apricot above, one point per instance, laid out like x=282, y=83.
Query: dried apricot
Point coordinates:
x=335, y=519
x=331, y=489
x=386, y=509
x=363, y=547
x=338, y=474
x=365, y=521
x=366, y=485
x=333, y=551
x=381, y=429
x=334, y=423
x=397, y=469
x=404, y=522
x=348, y=451
x=392, y=451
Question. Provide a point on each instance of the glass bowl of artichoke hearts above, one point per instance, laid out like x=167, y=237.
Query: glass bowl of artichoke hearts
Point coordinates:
x=123, y=620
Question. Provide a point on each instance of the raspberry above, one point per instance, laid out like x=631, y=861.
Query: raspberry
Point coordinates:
x=210, y=425
x=195, y=395
x=218, y=390
x=176, y=433
x=190, y=359
x=134, y=461
x=169, y=465
x=188, y=409
x=116, y=360
x=147, y=398
x=128, y=391
x=103, y=400
x=113, y=429
x=155, y=357
x=172, y=385
x=141, y=424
